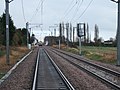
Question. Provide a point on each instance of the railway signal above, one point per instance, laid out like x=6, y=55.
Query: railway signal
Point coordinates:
x=80, y=33
x=81, y=29
x=74, y=28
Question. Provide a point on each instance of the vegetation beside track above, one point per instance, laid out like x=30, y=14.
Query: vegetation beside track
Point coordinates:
x=15, y=54
x=101, y=54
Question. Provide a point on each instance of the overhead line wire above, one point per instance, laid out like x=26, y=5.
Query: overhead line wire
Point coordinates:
x=37, y=9
x=70, y=9
x=66, y=11
x=76, y=11
x=85, y=9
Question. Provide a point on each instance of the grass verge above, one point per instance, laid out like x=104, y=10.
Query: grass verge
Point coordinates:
x=15, y=54
x=101, y=54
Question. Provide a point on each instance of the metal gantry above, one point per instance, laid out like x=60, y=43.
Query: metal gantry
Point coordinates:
x=80, y=33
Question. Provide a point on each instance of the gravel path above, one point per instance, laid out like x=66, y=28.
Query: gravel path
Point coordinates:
x=21, y=77
x=79, y=79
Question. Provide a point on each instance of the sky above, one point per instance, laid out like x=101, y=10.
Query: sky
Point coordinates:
x=100, y=12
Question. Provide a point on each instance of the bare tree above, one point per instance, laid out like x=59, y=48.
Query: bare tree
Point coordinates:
x=67, y=33
x=70, y=32
x=96, y=33
x=88, y=36
x=63, y=29
x=60, y=30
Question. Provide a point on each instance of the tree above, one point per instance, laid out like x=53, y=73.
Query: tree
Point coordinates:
x=70, y=32
x=111, y=39
x=63, y=29
x=96, y=34
x=60, y=31
x=3, y=29
x=84, y=33
x=17, y=39
x=99, y=41
x=1, y=32
x=67, y=33
x=24, y=33
x=88, y=36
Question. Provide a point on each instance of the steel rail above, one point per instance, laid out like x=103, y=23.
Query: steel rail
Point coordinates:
x=108, y=82
x=93, y=64
x=36, y=71
x=69, y=85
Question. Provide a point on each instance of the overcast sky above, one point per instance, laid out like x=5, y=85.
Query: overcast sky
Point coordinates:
x=100, y=12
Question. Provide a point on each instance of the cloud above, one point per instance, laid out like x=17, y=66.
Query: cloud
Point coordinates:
x=101, y=12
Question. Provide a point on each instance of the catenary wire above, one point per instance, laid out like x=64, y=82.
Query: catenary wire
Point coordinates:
x=85, y=10
x=37, y=9
x=67, y=11
x=70, y=10
x=77, y=9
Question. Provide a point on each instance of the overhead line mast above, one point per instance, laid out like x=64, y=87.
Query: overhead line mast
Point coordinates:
x=118, y=33
x=7, y=31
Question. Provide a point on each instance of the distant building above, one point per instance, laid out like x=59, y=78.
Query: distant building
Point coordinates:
x=51, y=40
x=108, y=42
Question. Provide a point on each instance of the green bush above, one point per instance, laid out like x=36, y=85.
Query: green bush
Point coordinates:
x=85, y=52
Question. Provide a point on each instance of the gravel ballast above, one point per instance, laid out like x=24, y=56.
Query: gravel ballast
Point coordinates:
x=79, y=79
x=21, y=77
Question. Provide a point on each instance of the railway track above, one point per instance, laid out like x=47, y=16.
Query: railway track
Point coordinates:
x=47, y=74
x=108, y=76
